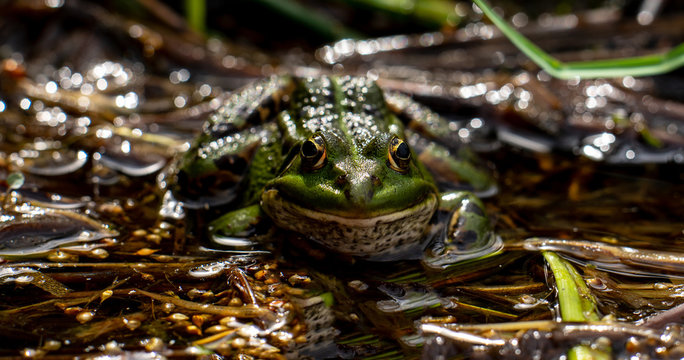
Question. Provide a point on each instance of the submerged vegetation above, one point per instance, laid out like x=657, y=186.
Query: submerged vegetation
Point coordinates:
x=97, y=99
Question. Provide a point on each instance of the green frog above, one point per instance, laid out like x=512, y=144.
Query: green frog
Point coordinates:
x=342, y=163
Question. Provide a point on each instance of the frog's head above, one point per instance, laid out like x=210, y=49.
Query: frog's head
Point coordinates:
x=357, y=197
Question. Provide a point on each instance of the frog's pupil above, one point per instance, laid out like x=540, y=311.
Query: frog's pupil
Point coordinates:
x=403, y=151
x=309, y=149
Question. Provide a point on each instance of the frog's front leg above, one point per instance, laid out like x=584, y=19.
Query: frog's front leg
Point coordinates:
x=466, y=232
x=238, y=223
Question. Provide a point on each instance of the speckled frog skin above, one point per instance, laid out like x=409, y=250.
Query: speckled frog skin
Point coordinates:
x=333, y=159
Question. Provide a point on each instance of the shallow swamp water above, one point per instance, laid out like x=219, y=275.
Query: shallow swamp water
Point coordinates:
x=96, y=100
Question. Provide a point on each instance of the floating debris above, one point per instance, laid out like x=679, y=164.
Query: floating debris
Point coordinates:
x=30, y=231
x=611, y=257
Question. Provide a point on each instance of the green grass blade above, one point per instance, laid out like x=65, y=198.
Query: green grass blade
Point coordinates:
x=583, y=352
x=568, y=294
x=633, y=66
x=576, y=301
x=196, y=12
x=541, y=58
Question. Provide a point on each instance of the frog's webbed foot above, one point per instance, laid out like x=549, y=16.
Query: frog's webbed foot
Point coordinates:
x=233, y=228
x=466, y=233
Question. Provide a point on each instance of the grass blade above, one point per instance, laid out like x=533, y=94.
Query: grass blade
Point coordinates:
x=633, y=66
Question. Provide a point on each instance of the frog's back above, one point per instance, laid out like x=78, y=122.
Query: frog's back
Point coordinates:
x=353, y=108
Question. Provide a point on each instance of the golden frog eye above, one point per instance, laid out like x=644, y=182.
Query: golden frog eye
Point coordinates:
x=313, y=153
x=399, y=155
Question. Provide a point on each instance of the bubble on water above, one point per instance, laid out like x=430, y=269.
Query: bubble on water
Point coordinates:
x=87, y=89
x=51, y=87
x=204, y=90
x=25, y=103
x=592, y=152
x=179, y=76
x=519, y=19
x=128, y=101
x=101, y=84
x=628, y=82
x=179, y=101
x=630, y=154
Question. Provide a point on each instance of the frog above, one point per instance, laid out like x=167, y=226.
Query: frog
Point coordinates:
x=341, y=163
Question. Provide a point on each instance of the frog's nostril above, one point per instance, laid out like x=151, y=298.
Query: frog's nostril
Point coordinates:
x=376, y=181
x=360, y=191
x=341, y=180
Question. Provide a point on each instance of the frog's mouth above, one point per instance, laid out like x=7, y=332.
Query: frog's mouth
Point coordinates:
x=367, y=236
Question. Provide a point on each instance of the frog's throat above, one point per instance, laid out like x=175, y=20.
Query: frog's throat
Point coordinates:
x=363, y=237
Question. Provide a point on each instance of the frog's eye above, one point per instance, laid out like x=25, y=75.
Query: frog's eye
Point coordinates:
x=313, y=153
x=399, y=155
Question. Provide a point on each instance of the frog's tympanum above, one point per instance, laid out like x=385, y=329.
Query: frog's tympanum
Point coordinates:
x=343, y=164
